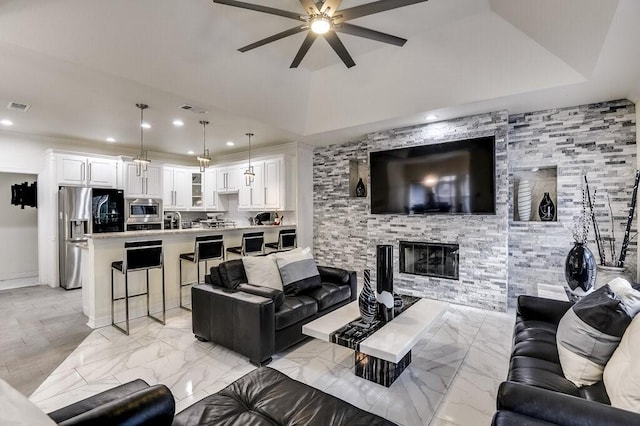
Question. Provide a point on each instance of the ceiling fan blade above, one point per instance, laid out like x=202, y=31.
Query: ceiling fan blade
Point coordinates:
x=370, y=34
x=274, y=37
x=330, y=6
x=371, y=8
x=263, y=9
x=306, y=44
x=309, y=7
x=339, y=48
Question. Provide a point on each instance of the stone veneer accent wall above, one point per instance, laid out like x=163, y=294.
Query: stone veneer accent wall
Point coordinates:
x=598, y=140
x=346, y=234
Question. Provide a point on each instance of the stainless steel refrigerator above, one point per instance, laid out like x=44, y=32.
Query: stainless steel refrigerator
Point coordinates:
x=74, y=220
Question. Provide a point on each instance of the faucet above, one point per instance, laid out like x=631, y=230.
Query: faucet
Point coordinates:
x=175, y=217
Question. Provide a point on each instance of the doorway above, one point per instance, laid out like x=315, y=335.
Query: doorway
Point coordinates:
x=19, y=236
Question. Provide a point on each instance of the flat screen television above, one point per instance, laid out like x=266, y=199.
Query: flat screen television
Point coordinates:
x=446, y=178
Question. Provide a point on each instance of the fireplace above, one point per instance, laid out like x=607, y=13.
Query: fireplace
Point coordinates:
x=429, y=259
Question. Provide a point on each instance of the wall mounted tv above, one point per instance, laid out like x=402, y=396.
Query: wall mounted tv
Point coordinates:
x=455, y=177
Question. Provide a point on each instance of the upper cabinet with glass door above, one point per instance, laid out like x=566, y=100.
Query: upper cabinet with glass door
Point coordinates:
x=197, y=201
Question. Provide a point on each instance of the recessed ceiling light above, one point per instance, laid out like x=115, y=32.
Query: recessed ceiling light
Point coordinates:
x=6, y=122
x=431, y=117
x=145, y=125
x=190, y=152
x=111, y=140
x=178, y=123
x=230, y=143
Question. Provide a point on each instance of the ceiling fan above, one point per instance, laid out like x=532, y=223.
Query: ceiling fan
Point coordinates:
x=324, y=19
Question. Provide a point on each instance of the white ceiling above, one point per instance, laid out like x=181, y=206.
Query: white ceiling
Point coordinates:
x=83, y=64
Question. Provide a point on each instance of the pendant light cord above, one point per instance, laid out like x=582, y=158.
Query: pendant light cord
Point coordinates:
x=141, y=131
x=249, y=134
x=204, y=137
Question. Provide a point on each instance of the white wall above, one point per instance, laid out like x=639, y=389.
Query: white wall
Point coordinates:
x=304, y=189
x=18, y=232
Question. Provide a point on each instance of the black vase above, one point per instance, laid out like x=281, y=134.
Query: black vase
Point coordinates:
x=367, y=300
x=546, y=209
x=361, y=190
x=384, y=282
x=580, y=268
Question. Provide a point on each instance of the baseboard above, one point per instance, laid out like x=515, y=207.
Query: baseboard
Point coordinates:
x=26, y=281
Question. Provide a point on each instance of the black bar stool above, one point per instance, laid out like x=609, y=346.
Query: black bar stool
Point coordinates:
x=286, y=240
x=138, y=256
x=252, y=244
x=210, y=247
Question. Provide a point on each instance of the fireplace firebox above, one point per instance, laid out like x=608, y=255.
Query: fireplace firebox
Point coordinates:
x=429, y=259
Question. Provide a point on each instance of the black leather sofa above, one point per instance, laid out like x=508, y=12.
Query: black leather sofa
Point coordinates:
x=536, y=391
x=268, y=397
x=259, y=321
x=262, y=397
x=134, y=403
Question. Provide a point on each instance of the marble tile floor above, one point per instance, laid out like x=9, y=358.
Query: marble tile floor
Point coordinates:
x=40, y=327
x=453, y=379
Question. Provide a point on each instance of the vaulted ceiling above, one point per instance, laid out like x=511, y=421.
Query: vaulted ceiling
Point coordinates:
x=83, y=64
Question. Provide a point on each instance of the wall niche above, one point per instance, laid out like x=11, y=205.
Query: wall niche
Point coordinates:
x=540, y=180
x=358, y=169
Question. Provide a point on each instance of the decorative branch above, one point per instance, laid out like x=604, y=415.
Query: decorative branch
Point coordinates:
x=612, y=241
x=625, y=241
x=595, y=223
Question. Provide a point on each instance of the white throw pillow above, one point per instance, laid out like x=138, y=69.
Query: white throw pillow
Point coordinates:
x=262, y=271
x=17, y=410
x=629, y=296
x=622, y=372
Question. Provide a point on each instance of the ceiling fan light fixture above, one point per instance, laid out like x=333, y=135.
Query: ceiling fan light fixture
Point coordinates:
x=320, y=24
x=326, y=18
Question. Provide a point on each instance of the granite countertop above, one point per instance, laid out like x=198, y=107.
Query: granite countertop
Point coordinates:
x=161, y=232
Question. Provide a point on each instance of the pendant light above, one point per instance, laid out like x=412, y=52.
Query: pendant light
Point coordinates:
x=205, y=158
x=249, y=174
x=141, y=159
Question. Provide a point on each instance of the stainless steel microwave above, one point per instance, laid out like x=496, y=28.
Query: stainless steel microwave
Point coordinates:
x=144, y=210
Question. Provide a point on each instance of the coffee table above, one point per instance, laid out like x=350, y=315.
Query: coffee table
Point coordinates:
x=380, y=356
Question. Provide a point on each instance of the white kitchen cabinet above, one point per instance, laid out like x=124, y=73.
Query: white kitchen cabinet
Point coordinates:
x=177, y=188
x=252, y=197
x=87, y=171
x=212, y=199
x=149, y=185
x=273, y=184
x=102, y=173
x=229, y=179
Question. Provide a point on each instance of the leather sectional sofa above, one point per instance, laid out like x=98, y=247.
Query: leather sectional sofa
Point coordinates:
x=536, y=391
x=262, y=397
x=260, y=321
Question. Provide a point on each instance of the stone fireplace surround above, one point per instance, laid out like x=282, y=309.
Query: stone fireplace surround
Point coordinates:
x=346, y=233
x=500, y=258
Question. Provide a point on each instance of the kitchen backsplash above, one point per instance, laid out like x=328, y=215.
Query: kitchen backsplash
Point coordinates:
x=240, y=217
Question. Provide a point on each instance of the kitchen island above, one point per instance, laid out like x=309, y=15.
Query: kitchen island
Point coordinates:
x=103, y=249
